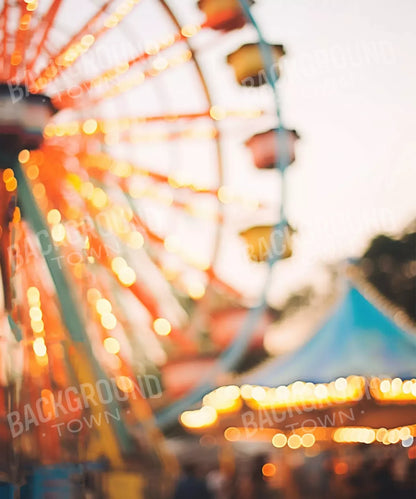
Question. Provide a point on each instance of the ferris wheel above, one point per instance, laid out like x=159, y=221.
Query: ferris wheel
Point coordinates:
x=128, y=131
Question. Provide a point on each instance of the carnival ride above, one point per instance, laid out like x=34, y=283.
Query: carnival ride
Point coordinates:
x=117, y=201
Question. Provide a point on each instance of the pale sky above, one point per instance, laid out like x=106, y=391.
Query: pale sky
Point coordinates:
x=348, y=87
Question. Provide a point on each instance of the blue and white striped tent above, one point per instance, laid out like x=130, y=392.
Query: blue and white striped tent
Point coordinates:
x=356, y=339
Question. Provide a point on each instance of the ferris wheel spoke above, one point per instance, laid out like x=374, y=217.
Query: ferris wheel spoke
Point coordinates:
x=16, y=56
x=138, y=221
x=105, y=255
x=164, y=199
x=124, y=122
x=122, y=171
x=97, y=126
x=45, y=24
x=51, y=71
x=4, y=54
x=161, y=243
x=131, y=82
x=112, y=262
x=82, y=41
x=153, y=50
x=112, y=74
x=115, y=135
x=167, y=201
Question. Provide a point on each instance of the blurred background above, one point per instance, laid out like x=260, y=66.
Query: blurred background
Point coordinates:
x=207, y=249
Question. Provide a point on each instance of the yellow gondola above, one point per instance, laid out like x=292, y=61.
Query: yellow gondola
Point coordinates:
x=248, y=63
x=264, y=241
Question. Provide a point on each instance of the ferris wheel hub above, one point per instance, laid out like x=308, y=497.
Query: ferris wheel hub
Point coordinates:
x=23, y=116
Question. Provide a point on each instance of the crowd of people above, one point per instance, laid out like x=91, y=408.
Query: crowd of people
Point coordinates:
x=328, y=475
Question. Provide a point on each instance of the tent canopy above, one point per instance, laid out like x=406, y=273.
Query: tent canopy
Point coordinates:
x=357, y=338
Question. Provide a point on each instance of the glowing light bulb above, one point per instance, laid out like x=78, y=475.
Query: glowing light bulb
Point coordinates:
x=109, y=321
x=33, y=295
x=217, y=113
x=279, y=440
x=232, y=434
x=225, y=194
x=125, y=384
x=35, y=313
x=196, y=290
x=135, y=240
x=58, y=233
x=172, y=243
x=268, y=470
x=37, y=326
x=162, y=326
x=308, y=440
x=54, y=217
x=112, y=345
x=99, y=198
x=190, y=30
x=24, y=156
x=321, y=391
x=93, y=295
x=385, y=386
x=258, y=393
x=160, y=64
x=103, y=306
x=11, y=185
x=39, y=347
x=341, y=384
x=87, y=41
x=90, y=126
x=127, y=276
x=294, y=441
x=118, y=264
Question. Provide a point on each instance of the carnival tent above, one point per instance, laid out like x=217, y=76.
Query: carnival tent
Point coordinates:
x=357, y=338
x=359, y=358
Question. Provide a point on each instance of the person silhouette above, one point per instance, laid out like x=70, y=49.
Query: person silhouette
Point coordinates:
x=191, y=486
